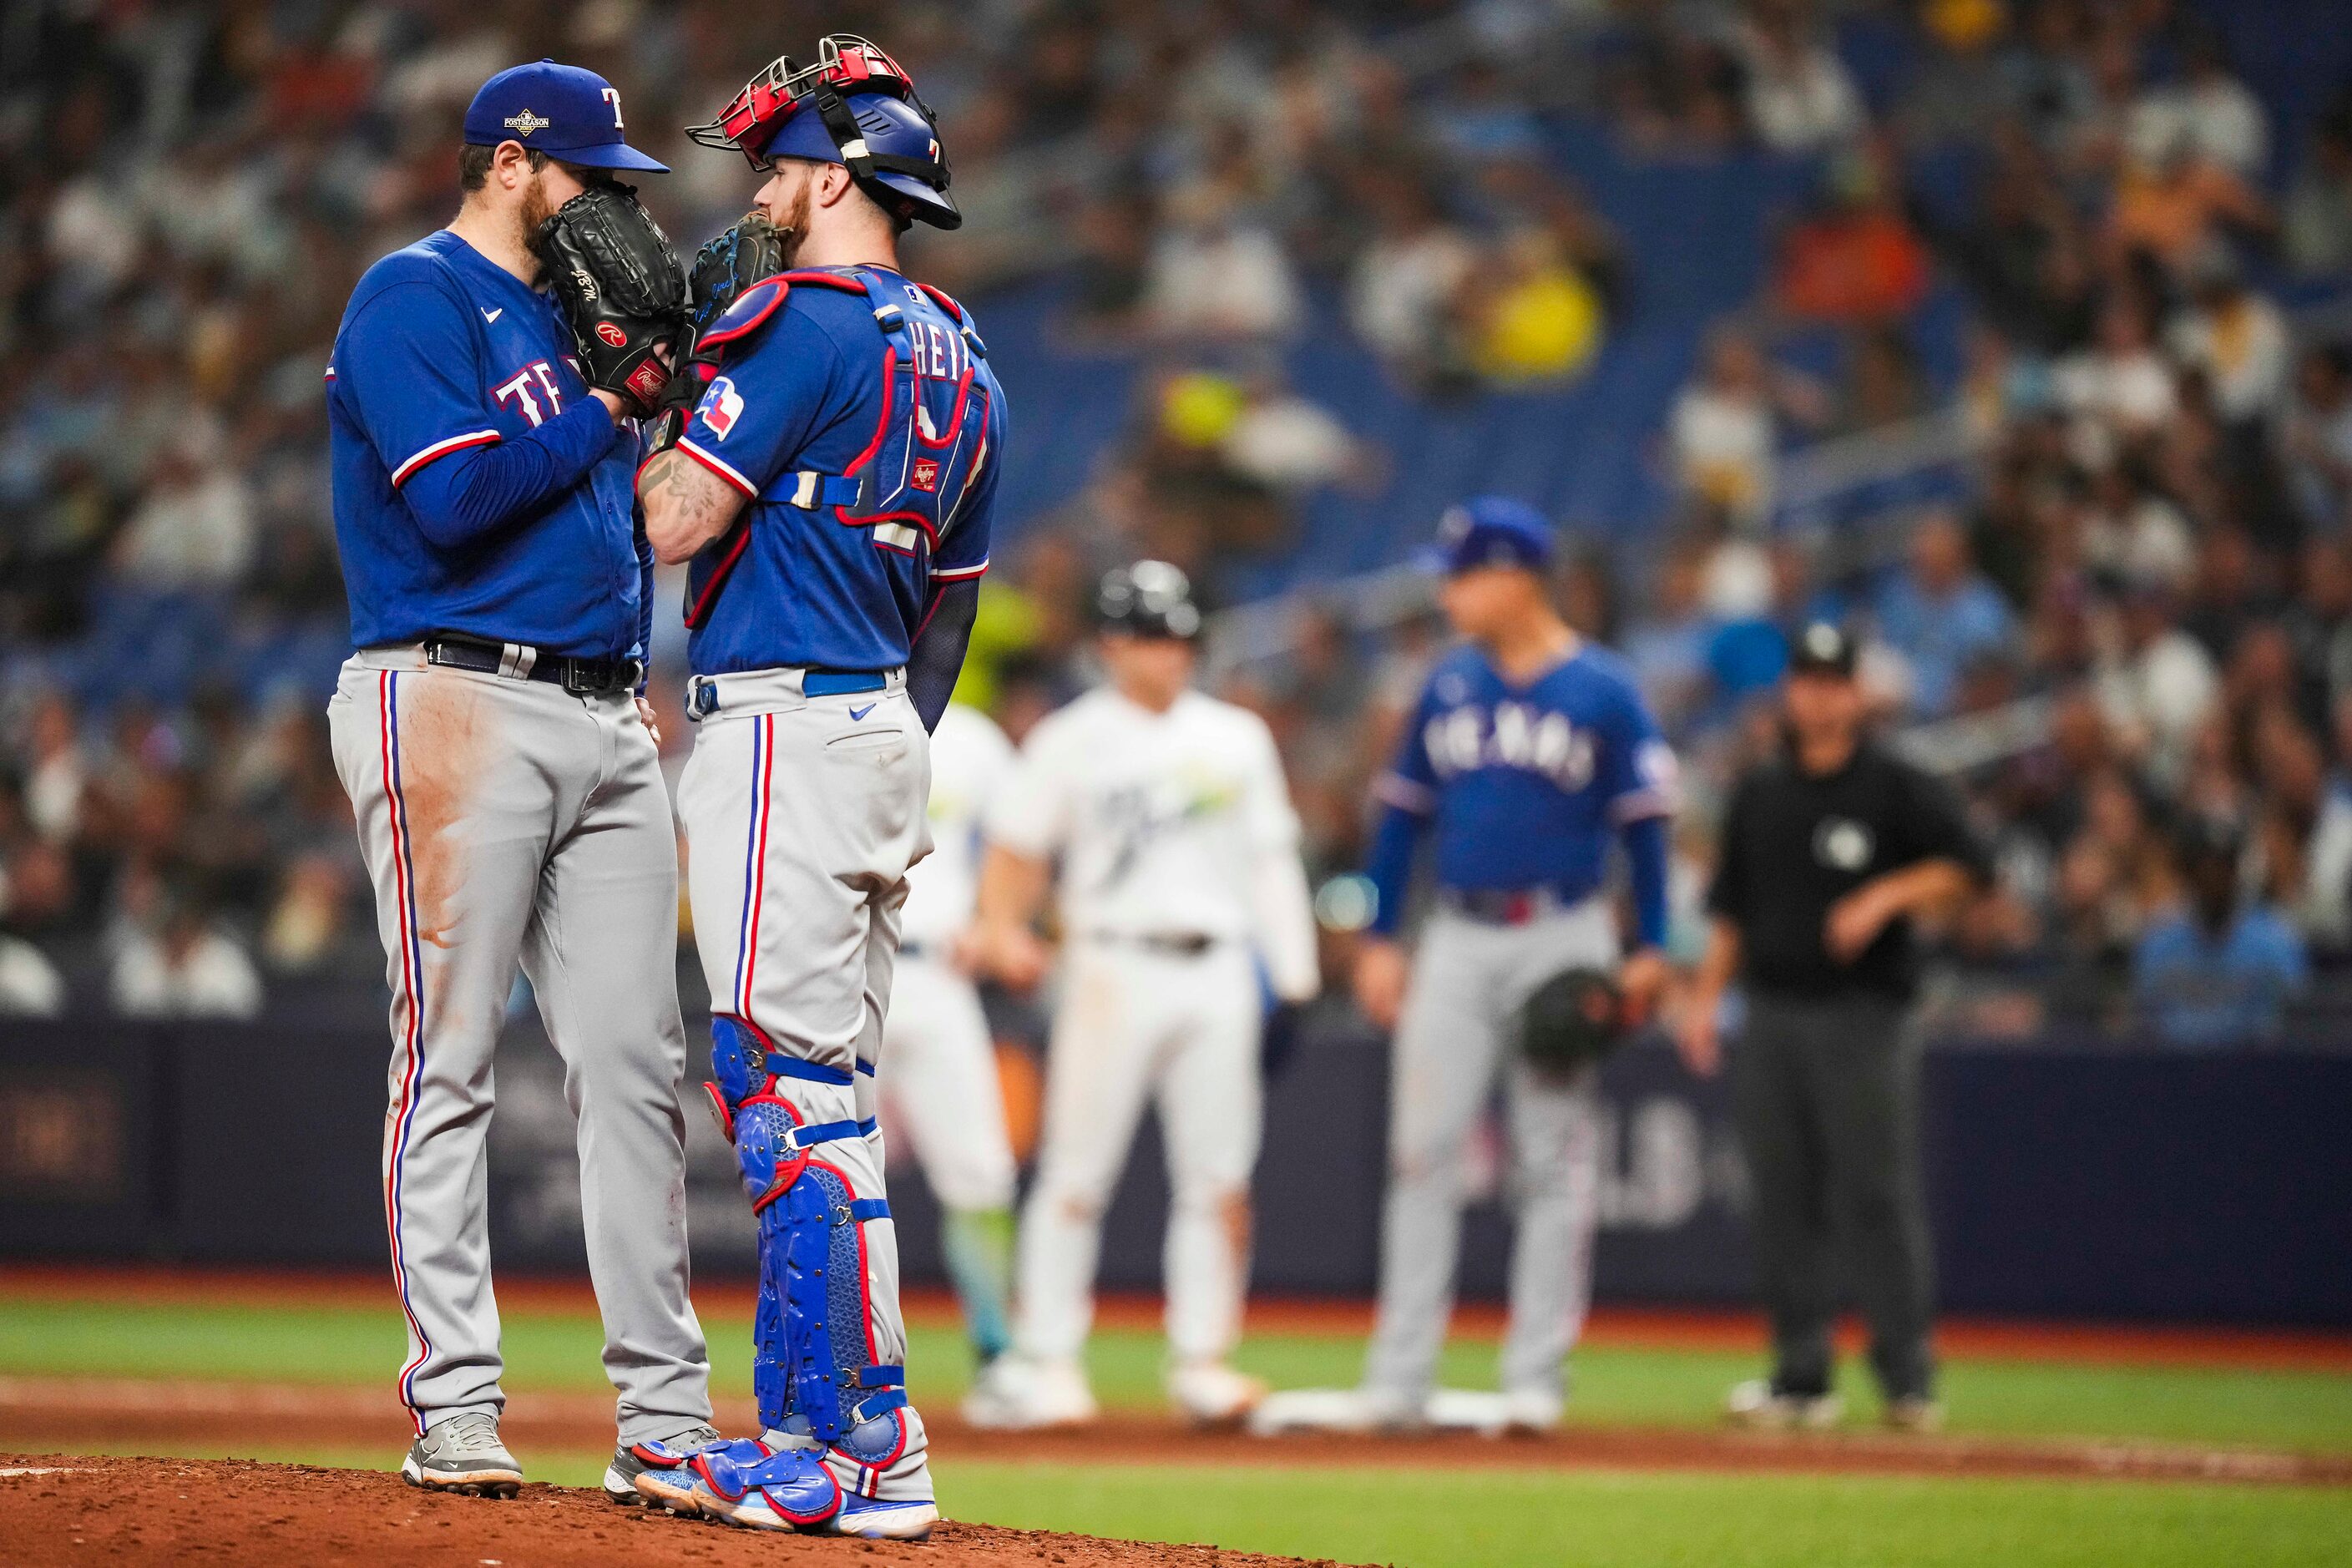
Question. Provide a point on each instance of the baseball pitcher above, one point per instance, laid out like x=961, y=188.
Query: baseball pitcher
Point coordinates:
x=1530, y=751
x=941, y=1090
x=501, y=764
x=1180, y=874
x=830, y=480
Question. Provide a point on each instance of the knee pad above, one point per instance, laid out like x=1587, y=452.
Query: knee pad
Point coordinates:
x=739, y=1068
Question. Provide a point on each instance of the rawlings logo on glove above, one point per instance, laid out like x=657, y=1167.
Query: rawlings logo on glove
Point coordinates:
x=619, y=285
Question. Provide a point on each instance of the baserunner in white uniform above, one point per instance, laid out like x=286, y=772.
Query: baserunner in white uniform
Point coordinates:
x=942, y=1089
x=1180, y=877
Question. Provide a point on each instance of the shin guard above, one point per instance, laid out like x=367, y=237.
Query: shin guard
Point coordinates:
x=813, y=1367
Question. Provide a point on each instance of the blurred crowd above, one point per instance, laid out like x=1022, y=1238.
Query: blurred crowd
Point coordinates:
x=2067, y=230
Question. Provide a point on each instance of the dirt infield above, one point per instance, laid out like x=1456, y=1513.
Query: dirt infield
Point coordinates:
x=64, y=1510
x=65, y=1412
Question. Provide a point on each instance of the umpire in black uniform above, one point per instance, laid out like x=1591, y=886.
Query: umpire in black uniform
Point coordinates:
x=1827, y=854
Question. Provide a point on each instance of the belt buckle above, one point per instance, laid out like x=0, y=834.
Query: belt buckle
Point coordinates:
x=572, y=673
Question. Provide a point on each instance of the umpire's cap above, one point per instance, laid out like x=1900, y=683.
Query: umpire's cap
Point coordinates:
x=856, y=107
x=1823, y=648
x=1148, y=599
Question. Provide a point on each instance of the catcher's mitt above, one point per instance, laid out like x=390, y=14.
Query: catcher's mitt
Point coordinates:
x=731, y=262
x=1576, y=1016
x=617, y=281
x=727, y=264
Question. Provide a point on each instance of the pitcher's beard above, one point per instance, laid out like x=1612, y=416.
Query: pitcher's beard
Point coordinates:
x=536, y=209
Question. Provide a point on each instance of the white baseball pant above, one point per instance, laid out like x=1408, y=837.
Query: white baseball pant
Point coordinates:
x=942, y=1090
x=1137, y=1024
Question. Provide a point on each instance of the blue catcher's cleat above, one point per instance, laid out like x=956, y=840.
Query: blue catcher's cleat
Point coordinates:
x=880, y=1519
x=747, y=1483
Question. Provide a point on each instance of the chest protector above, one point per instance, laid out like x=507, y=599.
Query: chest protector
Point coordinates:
x=905, y=490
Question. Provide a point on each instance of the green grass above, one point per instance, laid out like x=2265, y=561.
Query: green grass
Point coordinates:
x=1522, y=1519
x=300, y=1343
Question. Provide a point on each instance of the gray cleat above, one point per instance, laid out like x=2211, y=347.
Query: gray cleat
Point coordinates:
x=463, y=1455
x=659, y=1474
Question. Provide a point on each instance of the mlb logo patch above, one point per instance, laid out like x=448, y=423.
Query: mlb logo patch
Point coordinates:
x=926, y=476
x=721, y=407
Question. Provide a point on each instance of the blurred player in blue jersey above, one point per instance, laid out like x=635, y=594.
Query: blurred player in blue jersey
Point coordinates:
x=832, y=489
x=502, y=768
x=1529, y=753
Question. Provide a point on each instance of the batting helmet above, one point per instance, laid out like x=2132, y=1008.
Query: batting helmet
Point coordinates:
x=1148, y=599
x=853, y=106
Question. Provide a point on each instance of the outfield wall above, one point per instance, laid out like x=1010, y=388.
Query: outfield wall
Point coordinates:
x=2120, y=1185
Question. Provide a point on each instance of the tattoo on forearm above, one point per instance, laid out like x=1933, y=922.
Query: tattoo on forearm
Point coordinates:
x=693, y=500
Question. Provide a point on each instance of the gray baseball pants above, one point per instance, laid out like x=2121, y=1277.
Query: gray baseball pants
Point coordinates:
x=509, y=821
x=1826, y=1094
x=1457, y=1036
x=802, y=815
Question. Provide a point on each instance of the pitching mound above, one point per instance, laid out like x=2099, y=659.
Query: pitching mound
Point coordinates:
x=60, y=1510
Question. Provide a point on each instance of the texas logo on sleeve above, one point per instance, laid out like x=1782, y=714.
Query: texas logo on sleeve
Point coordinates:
x=721, y=407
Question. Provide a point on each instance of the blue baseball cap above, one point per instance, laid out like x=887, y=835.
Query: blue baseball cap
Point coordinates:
x=571, y=114
x=1490, y=531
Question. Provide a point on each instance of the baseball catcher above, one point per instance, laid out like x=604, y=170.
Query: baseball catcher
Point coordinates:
x=826, y=462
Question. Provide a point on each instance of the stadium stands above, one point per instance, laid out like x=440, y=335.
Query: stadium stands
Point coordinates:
x=1740, y=292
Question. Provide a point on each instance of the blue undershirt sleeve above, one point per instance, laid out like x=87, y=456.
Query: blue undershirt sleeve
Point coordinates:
x=467, y=494
x=937, y=658
x=645, y=597
x=1394, y=840
x=1645, y=853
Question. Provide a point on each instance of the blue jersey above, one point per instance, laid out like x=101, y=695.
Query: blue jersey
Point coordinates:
x=442, y=353
x=857, y=415
x=1524, y=787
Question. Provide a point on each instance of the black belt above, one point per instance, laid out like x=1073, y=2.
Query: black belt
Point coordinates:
x=581, y=676
x=1174, y=943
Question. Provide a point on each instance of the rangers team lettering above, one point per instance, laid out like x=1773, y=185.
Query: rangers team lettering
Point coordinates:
x=1510, y=735
x=516, y=394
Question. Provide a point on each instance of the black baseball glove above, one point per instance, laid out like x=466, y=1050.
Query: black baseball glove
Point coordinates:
x=617, y=281
x=1576, y=1016
x=731, y=262
x=727, y=265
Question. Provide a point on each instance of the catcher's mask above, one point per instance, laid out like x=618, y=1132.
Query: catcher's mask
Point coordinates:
x=856, y=107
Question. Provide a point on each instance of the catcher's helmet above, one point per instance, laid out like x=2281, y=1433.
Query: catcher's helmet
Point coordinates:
x=1148, y=599
x=855, y=107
